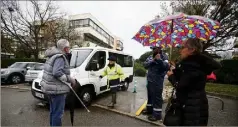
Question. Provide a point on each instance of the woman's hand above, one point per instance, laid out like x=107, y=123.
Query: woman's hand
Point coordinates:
x=169, y=73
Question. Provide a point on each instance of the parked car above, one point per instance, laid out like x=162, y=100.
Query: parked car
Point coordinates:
x=33, y=72
x=211, y=78
x=16, y=72
x=87, y=64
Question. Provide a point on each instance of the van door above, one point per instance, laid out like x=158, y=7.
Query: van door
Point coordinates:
x=100, y=58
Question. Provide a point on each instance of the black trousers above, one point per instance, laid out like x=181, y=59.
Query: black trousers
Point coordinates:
x=114, y=88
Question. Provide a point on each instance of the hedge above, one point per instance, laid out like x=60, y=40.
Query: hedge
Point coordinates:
x=228, y=74
x=7, y=62
x=139, y=70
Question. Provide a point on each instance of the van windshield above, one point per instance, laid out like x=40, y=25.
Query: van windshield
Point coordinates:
x=78, y=57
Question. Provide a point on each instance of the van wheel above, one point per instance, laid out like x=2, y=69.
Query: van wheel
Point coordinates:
x=125, y=86
x=86, y=95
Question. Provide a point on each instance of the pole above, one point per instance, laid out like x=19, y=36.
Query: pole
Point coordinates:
x=135, y=87
x=171, y=49
x=172, y=26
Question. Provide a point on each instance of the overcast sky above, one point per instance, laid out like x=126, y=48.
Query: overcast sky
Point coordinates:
x=121, y=18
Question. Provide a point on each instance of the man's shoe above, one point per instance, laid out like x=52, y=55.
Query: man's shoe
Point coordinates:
x=152, y=118
x=145, y=112
x=111, y=105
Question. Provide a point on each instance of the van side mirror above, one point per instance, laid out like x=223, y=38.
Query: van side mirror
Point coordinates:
x=28, y=68
x=93, y=66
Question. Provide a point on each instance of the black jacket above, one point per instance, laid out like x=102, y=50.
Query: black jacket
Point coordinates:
x=190, y=77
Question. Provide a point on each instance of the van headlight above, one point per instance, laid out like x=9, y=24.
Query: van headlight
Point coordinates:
x=5, y=72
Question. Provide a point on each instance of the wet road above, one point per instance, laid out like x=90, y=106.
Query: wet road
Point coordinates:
x=18, y=108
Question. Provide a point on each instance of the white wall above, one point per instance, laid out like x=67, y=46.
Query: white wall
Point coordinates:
x=88, y=15
x=93, y=32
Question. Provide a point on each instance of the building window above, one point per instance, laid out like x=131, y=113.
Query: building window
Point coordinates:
x=85, y=22
x=91, y=23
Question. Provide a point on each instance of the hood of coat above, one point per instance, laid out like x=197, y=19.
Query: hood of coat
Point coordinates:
x=52, y=51
x=201, y=62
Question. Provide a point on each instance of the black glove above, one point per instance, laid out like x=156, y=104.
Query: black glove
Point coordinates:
x=100, y=77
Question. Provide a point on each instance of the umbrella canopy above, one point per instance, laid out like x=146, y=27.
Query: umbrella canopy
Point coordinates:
x=175, y=29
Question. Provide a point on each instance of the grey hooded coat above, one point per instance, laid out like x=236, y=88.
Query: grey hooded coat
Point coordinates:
x=56, y=71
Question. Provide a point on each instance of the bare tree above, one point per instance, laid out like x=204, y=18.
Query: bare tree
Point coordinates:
x=6, y=43
x=58, y=29
x=24, y=21
x=223, y=11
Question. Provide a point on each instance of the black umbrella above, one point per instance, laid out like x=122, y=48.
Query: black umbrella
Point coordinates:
x=71, y=99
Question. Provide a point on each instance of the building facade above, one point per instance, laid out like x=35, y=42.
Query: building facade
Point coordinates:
x=93, y=33
x=82, y=30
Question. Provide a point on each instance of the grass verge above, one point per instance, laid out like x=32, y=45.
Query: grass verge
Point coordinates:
x=222, y=89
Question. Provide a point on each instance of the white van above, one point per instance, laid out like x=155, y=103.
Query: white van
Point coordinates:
x=87, y=64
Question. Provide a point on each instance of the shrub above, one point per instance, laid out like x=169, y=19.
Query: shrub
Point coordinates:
x=139, y=70
x=7, y=62
x=228, y=73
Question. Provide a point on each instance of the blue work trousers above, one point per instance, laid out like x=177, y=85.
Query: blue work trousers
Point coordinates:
x=155, y=99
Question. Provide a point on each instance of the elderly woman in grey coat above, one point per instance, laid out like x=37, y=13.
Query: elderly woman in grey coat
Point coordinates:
x=56, y=74
x=189, y=79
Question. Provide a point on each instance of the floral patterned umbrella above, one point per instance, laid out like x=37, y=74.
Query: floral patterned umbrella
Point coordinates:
x=173, y=30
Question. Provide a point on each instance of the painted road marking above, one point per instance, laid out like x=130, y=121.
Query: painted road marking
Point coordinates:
x=141, y=108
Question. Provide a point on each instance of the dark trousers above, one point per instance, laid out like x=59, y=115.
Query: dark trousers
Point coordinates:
x=114, y=88
x=155, y=99
x=149, y=106
x=57, y=104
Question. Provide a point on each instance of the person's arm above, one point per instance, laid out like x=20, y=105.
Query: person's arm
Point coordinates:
x=58, y=68
x=148, y=63
x=104, y=73
x=164, y=66
x=120, y=73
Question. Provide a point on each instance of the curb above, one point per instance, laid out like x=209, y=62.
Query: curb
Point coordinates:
x=127, y=114
x=222, y=95
x=16, y=87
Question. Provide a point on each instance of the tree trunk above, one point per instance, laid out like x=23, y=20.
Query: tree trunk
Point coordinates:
x=36, y=56
x=36, y=52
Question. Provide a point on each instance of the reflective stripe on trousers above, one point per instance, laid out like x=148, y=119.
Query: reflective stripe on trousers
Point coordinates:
x=113, y=86
x=157, y=109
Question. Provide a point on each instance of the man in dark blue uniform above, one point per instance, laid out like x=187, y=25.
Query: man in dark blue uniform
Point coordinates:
x=157, y=66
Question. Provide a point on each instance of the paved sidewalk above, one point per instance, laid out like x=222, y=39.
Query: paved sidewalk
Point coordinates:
x=128, y=102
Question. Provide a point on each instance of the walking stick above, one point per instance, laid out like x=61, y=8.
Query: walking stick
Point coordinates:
x=69, y=85
x=72, y=102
